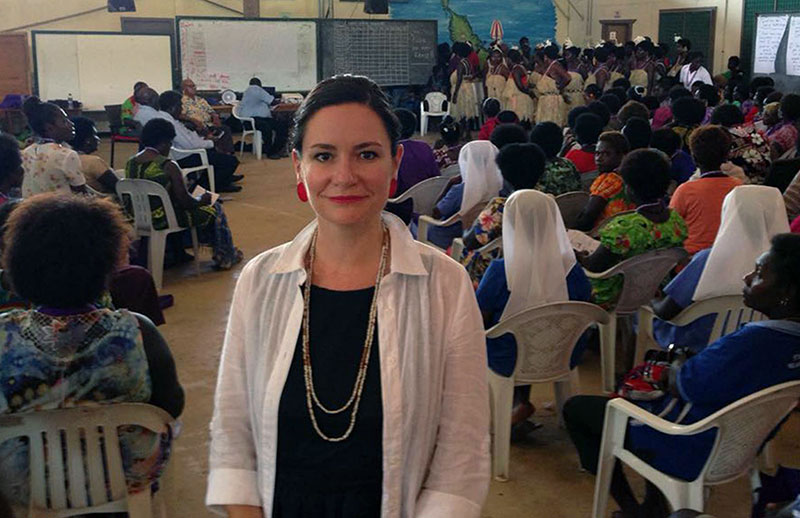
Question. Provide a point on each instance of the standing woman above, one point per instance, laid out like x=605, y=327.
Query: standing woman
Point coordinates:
x=517, y=95
x=643, y=67
x=552, y=105
x=464, y=103
x=601, y=74
x=375, y=403
x=576, y=72
x=496, y=75
x=617, y=66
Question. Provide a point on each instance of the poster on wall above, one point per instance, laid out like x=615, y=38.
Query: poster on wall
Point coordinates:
x=471, y=20
x=769, y=34
x=793, y=48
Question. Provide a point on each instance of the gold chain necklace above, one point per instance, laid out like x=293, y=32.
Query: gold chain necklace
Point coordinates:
x=355, y=398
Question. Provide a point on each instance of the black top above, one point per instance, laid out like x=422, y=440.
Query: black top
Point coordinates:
x=321, y=479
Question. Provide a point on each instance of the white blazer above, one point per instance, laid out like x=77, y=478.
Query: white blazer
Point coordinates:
x=433, y=377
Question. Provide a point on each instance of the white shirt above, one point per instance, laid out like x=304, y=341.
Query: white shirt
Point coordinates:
x=256, y=102
x=185, y=138
x=145, y=114
x=688, y=78
x=50, y=167
x=433, y=375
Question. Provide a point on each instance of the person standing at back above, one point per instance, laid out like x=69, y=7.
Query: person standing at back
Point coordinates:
x=256, y=103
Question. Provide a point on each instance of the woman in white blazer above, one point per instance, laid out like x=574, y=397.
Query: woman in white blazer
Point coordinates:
x=375, y=402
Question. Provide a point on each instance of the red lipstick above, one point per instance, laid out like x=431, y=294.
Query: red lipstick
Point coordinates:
x=346, y=199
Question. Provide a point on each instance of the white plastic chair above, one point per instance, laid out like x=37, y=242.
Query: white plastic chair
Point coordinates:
x=423, y=194
x=642, y=276
x=256, y=134
x=457, y=247
x=451, y=171
x=730, y=312
x=139, y=193
x=83, y=490
x=204, y=165
x=425, y=222
x=570, y=205
x=438, y=106
x=742, y=428
x=546, y=336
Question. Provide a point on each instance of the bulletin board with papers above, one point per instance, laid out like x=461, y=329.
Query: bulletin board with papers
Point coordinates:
x=777, y=49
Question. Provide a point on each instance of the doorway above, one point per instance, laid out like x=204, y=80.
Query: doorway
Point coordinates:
x=618, y=31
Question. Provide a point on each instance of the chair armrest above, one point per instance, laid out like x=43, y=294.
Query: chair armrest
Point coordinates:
x=202, y=152
x=426, y=221
x=457, y=248
x=400, y=199
x=619, y=406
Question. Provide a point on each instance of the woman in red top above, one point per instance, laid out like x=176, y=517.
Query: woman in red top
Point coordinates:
x=587, y=130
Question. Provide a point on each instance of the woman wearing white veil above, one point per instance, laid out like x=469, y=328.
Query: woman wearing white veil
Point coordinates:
x=751, y=216
x=480, y=182
x=538, y=267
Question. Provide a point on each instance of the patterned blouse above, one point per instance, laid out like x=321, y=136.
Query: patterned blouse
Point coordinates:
x=49, y=362
x=197, y=109
x=611, y=188
x=50, y=167
x=784, y=135
x=487, y=228
x=446, y=156
x=750, y=151
x=629, y=235
x=560, y=176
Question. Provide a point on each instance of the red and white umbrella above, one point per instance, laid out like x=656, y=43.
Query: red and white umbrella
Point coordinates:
x=497, y=30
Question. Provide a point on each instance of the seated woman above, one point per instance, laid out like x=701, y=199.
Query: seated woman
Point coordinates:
x=783, y=136
x=153, y=163
x=570, y=142
x=560, y=175
x=521, y=166
x=749, y=147
x=699, y=202
x=757, y=356
x=11, y=170
x=449, y=146
x=50, y=164
x=608, y=193
x=687, y=114
x=669, y=143
x=637, y=131
x=111, y=356
x=99, y=176
x=480, y=182
x=751, y=215
x=418, y=164
x=588, y=128
x=651, y=226
x=538, y=267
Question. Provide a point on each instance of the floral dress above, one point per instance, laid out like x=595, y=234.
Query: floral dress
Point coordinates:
x=487, y=228
x=629, y=235
x=49, y=362
x=611, y=188
x=560, y=176
x=750, y=151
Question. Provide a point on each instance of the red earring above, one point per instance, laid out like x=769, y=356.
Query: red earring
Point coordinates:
x=392, y=188
x=302, y=194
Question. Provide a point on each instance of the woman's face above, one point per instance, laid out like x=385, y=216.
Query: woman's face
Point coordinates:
x=762, y=290
x=347, y=164
x=495, y=58
x=606, y=157
x=61, y=129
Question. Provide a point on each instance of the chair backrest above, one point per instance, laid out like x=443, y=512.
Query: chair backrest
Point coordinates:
x=138, y=193
x=571, y=204
x=114, y=116
x=743, y=428
x=436, y=102
x=87, y=436
x=243, y=120
x=782, y=172
x=730, y=311
x=545, y=337
x=424, y=194
x=642, y=276
x=451, y=171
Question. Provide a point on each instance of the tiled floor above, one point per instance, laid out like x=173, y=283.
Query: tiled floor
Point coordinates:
x=545, y=480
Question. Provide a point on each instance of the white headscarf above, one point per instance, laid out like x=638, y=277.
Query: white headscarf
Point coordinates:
x=538, y=255
x=751, y=215
x=479, y=172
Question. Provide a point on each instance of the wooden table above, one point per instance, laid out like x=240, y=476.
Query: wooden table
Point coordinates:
x=222, y=109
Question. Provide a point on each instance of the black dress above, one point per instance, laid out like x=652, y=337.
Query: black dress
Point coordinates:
x=316, y=478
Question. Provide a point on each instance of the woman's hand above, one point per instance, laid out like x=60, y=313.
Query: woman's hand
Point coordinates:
x=244, y=511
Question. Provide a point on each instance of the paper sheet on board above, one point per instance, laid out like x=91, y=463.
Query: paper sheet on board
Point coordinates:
x=769, y=34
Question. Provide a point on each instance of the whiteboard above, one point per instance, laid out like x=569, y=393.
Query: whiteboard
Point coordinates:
x=218, y=54
x=100, y=68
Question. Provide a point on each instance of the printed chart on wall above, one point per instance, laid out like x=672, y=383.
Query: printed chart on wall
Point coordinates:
x=776, y=49
x=218, y=54
x=769, y=33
